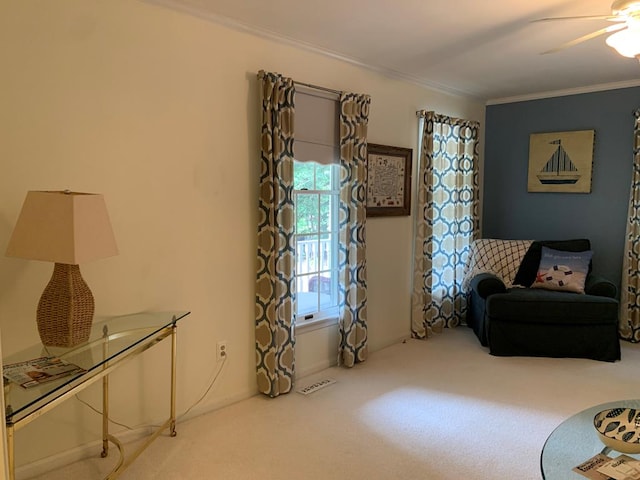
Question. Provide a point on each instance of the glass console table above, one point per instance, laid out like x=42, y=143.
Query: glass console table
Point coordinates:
x=112, y=341
x=575, y=441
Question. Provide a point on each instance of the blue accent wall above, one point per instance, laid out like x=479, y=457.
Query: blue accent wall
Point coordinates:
x=510, y=212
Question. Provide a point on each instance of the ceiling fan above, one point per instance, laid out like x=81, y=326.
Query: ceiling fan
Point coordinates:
x=625, y=15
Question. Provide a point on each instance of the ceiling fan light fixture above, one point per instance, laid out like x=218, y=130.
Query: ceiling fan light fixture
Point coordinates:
x=626, y=42
x=624, y=7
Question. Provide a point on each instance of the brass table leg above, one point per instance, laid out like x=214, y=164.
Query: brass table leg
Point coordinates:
x=105, y=416
x=174, y=353
x=105, y=396
x=10, y=451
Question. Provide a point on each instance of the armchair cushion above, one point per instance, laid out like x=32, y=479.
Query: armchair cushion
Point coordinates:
x=525, y=305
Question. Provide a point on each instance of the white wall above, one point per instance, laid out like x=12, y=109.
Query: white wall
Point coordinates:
x=158, y=110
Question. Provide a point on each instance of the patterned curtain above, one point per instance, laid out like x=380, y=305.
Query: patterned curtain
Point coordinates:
x=275, y=267
x=447, y=221
x=354, y=117
x=630, y=295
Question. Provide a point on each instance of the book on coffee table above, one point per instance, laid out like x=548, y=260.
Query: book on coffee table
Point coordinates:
x=623, y=467
x=590, y=467
x=603, y=467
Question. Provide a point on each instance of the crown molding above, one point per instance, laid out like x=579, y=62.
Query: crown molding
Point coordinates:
x=563, y=93
x=282, y=39
x=234, y=24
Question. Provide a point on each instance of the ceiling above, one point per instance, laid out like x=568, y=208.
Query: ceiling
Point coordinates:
x=487, y=50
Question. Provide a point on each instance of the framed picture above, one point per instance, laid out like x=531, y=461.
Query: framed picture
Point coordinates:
x=561, y=161
x=388, y=180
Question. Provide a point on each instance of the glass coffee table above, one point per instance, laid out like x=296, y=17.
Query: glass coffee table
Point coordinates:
x=574, y=441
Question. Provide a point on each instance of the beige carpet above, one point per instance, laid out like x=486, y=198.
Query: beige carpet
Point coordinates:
x=437, y=409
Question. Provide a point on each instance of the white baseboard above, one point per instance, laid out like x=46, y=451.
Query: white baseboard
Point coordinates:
x=211, y=407
x=383, y=345
x=40, y=467
x=90, y=450
x=318, y=367
x=323, y=365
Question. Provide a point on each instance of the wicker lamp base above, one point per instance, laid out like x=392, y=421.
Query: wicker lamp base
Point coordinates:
x=65, y=310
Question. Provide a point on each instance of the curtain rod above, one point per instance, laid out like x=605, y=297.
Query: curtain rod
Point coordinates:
x=316, y=87
x=261, y=73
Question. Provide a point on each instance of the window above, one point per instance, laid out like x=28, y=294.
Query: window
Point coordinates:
x=316, y=196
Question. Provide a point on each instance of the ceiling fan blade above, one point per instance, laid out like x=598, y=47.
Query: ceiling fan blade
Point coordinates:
x=584, y=38
x=612, y=18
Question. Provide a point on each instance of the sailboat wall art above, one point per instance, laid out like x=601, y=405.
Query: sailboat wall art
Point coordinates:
x=561, y=161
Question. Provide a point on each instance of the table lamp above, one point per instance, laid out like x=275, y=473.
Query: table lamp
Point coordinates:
x=67, y=228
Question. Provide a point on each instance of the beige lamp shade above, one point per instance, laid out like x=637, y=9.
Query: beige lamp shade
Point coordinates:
x=67, y=228
x=63, y=227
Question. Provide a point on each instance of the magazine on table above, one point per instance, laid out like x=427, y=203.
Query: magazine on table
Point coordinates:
x=39, y=370
x=603, y=467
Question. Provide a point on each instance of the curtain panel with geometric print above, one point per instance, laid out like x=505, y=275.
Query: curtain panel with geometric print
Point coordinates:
x=354, y=118
x=630, y=295
x=447, y=221
x=275, y=265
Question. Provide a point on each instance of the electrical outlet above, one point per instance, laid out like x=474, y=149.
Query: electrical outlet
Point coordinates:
x=221, y=350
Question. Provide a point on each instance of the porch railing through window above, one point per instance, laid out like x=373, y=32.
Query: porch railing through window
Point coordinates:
x=313, y=255
x=314, y=273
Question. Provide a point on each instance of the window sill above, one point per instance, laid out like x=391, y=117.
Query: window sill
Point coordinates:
x=317, y=324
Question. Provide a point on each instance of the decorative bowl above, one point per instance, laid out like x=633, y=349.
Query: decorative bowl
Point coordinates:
x=619, y=429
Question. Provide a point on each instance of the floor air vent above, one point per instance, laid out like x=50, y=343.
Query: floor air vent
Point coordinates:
x=314, y=387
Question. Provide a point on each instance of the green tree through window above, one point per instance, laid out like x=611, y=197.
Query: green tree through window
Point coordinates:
x=316, y=212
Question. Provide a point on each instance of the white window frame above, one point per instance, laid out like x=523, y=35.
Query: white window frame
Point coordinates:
x=316, y=140
x=328, y=316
